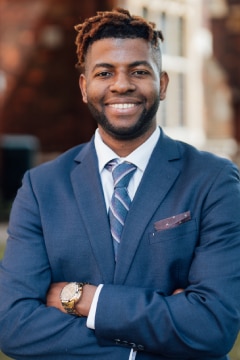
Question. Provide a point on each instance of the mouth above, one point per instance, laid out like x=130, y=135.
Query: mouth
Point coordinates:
x=122, y=106
x=122, y=109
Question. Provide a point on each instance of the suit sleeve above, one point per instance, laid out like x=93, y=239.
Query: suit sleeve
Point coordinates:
x=28, y=328
x=203, y=321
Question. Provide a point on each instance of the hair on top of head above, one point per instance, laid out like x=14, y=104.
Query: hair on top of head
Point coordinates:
x=117, y=23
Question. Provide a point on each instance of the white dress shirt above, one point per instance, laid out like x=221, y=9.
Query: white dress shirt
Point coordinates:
x=138, y=157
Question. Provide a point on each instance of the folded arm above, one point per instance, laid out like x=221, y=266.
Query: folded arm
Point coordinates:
x=198, y=320
x=201, y=321
x=33, y=329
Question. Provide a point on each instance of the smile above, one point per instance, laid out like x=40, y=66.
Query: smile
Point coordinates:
x=122, y=106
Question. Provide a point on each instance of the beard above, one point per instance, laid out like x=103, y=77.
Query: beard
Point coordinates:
x=144, y=123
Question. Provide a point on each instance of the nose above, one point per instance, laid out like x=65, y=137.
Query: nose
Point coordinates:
x=122, y=84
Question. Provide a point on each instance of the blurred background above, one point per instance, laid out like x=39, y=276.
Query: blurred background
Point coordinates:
x=41, y=111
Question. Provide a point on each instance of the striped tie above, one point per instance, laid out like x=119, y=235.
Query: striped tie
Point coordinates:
x=120, y=201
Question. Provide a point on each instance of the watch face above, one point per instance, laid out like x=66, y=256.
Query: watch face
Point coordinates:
x=69, y=291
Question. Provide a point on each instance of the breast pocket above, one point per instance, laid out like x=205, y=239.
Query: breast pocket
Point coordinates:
x=176, y=232
x=171, y=252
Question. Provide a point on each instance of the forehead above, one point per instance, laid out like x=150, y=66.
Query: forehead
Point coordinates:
x=117, y=51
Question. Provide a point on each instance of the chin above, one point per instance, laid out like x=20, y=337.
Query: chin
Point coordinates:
x=126, y=134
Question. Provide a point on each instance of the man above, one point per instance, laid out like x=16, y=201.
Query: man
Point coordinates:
x=158, y=278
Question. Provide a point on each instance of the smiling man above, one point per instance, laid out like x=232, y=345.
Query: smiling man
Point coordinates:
x=126, y=247
x=123, y=94
x=123, y=107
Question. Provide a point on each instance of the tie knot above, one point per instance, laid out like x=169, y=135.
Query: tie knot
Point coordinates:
x=121, y=173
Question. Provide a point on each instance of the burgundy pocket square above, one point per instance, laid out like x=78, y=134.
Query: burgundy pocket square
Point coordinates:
x=172, y=221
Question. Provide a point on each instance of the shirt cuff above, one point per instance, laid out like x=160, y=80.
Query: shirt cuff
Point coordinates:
x=93, y=309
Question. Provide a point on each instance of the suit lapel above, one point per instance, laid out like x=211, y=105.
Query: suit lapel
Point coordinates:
x=89, y=196
x=157, y=180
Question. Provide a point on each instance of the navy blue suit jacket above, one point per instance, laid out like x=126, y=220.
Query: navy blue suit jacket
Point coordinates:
x=59, y=231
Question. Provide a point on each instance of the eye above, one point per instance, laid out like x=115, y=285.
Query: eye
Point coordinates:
x=103, y=74
x=140, y=72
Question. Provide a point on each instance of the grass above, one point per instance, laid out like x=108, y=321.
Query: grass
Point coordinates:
x=234, y=355
x=1, y=251
x=3, y=357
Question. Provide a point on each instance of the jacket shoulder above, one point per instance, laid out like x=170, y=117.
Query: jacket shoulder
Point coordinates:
x=59, y=169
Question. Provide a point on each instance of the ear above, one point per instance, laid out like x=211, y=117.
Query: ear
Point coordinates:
x=83, y=87
x=164, y=79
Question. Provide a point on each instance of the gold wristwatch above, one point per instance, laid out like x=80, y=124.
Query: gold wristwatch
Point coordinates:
x=70, y=295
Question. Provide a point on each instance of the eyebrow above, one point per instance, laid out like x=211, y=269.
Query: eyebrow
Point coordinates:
x=133, y=64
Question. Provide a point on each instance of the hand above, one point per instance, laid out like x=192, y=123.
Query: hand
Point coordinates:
x=178, y=291
x=53, y=295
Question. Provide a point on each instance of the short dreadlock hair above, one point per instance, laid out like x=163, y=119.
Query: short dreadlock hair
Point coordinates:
x=118, y=23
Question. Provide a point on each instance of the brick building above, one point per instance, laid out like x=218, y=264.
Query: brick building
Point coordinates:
x=39, y=92
x=226, y=49
x=41, y=110
x=201, y=55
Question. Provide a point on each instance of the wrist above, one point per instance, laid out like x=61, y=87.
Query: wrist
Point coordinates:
x=83, y=305
x=70, y=295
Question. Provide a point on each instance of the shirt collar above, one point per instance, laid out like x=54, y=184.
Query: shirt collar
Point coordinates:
x=138, y=157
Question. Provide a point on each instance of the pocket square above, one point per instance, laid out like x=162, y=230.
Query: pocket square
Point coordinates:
x=172, y=221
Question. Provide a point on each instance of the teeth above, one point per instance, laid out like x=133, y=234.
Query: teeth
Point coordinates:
x=122, y=106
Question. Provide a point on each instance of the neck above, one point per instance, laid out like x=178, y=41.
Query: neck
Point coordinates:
x=124, y=147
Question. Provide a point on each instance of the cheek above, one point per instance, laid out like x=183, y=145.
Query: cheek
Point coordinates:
x=157, y=87
x=152, y=92
x=94, y=94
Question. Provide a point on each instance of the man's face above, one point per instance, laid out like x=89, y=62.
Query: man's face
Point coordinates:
x=121, y=86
